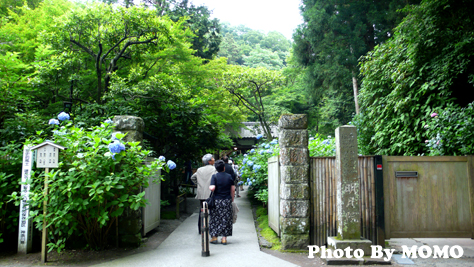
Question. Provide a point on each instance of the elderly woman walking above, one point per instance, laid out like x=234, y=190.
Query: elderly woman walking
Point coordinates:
x=221, y=216
x=202, y=178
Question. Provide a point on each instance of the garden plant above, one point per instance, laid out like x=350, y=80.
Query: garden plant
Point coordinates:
x=98, y=179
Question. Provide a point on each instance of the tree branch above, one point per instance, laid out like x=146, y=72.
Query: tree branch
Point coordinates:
x=87, y=50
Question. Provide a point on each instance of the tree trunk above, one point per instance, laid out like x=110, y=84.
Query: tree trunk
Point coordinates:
x=265, y=127
x=98, y=69
x=356, y=92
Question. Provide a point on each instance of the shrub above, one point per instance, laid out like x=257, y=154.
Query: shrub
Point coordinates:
x=322, y=147
x=254, y=168
x=451, y=131
x=99, y=177
x=10, y=169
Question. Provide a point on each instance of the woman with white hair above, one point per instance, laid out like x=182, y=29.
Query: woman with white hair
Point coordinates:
x=202, y=178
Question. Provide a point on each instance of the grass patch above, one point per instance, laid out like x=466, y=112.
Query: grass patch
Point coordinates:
x=168, y=215
x=267, y=232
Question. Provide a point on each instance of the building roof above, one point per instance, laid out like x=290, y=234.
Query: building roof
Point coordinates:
x=251, y=129
x=47, y=143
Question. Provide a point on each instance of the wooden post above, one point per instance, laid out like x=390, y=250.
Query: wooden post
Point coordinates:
x=205, y=230
x=44, y=252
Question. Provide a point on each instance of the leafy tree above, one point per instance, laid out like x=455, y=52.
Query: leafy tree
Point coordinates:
x=263, y=58
x=424, y=67
x=109, y=35
x=231, y=50
x=249, y=86
x=331, y=40
x=207, y=31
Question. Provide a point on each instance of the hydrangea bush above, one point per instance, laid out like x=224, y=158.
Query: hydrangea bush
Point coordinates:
x=451, y=131
x=98, y=178
x=320, y=146
x=254, y=168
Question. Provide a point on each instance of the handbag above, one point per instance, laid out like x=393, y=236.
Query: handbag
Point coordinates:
x=211, y=202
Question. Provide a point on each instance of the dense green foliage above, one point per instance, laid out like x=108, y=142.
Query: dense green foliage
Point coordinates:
x=244, y=46
x=451, y=131
x=254, y=168
x=329, y=44
x=91, y=187
x=10, y=162
x=427, y=65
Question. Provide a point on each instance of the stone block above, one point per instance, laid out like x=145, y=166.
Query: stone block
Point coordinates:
x=354, y=244
x=294, y=191
x=293, y=138
x=294, y=156
x=294, y=174
x=294, y=226
x=295, y=241
x=129, y=123
x=133, y=136
x=294, y=208
x=293, y=121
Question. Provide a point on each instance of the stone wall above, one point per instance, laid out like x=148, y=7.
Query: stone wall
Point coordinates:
x=130, y=223
x=294, y=187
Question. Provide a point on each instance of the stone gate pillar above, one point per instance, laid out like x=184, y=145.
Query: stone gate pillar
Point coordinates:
x=130, y=222
x=294, y=187
x=348, y=185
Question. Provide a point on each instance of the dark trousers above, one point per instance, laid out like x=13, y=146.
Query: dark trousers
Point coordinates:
x=200, y=208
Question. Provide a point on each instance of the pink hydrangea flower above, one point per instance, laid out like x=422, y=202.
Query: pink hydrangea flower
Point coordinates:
x=434, y=114
x=426, y=141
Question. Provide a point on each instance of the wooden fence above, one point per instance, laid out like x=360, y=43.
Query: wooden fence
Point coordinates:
x=323, y=200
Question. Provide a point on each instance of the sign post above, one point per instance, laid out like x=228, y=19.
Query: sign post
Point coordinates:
x=25, y=227
x=46, y=157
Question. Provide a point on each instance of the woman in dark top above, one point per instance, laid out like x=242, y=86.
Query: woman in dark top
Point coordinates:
x=223, y=187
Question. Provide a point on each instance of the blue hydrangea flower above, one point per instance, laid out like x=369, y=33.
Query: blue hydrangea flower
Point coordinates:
x=261, y=152
x=248, y=179
x=256, y=167
x=109, y=121
x=244, y=160
x=267, y=146
x=53, y=121
x=63, y=116
x=259, y=136
x=269, y=151
x=116, y=147
x=171, y=165
x=250, y=183
x=274, y=142
x=253, y=180
x=311, y=138
x=162, y=158
x=250, y=163
x=245, y=155
x=326, y=142
x=252, y=151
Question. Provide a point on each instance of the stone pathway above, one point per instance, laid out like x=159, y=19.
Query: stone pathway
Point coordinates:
x=183, y=246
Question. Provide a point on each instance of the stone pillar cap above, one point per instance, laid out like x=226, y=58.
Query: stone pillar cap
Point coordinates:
x=293, y=121
x=129, y=123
